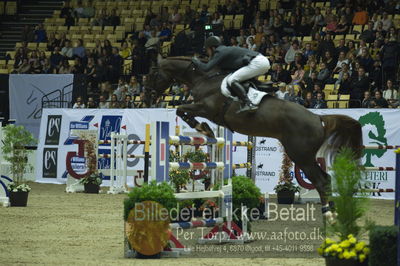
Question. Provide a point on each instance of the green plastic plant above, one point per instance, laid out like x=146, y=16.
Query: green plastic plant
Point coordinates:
x=15, y=140
x=350, y=207
x=93, y=178
x=161, y=193
x=350, y=203
x=245, y=192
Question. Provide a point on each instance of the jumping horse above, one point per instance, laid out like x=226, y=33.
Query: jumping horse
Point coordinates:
x=302, y=133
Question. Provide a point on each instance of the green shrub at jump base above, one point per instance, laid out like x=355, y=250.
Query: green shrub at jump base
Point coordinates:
x=383, y=246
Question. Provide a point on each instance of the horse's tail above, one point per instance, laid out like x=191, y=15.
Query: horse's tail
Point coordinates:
x=341, y=131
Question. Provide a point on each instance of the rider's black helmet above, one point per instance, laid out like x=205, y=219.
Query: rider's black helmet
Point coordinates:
x=212, y=41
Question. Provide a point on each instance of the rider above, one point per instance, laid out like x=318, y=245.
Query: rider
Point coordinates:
x=245, y=63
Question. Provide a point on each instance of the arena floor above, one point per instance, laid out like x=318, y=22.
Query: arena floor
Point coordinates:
x=61, y=228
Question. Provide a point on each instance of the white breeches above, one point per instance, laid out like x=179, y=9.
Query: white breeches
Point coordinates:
x=258, y=66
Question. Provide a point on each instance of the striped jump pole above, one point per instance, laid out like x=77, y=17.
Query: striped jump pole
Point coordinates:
x=381, y=147
x=372, y=168
x=196, y=166
x=377, y=190
x=195, y=140
x=241, y=165
x=199, y=223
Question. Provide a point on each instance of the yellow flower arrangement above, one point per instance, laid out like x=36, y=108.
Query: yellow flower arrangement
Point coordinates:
x=350, y=248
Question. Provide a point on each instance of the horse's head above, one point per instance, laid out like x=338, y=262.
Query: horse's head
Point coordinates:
x=154, y=86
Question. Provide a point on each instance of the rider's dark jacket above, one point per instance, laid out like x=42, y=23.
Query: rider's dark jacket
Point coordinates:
x=227, y=58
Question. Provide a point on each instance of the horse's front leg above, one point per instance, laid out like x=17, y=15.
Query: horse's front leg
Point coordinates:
x=188, y=112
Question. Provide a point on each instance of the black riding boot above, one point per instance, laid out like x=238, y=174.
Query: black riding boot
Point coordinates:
x=240, y=92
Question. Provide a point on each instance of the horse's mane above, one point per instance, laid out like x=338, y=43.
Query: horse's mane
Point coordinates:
x=185, y=58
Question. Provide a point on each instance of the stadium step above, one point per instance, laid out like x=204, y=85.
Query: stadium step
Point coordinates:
x=30, y=12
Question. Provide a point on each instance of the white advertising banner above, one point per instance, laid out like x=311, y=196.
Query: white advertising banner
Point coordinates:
x=379, y=127
x=27, y=92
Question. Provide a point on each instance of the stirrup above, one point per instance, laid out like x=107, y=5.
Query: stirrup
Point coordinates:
x=247, y=108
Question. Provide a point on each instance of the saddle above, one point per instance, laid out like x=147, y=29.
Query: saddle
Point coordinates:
x=260, y=86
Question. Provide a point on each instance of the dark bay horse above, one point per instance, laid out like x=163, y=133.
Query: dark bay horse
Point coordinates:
x=301, y=132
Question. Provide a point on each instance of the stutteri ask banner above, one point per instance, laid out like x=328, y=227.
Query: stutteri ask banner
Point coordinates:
x=379, y=126
x=27, y=93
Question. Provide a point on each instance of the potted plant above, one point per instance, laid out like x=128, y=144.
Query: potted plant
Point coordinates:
x=179, y=178
x=246, y=193
x=15, y=140
x=92, y=183
x=92, y=180
x=142, y=235
x=286, y=189
x=345, y=247
x=199, y=156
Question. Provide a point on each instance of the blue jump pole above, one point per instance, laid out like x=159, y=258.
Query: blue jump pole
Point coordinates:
x=397, y=204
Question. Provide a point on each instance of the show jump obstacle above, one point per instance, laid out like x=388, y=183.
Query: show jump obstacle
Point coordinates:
x=224, y=230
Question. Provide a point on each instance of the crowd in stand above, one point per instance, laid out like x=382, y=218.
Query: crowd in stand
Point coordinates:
x=364, y=67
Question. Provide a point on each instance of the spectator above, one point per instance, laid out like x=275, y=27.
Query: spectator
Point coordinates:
x=368, y=35
x=185, y=97
x=102, y=102
x=33, y=57
x=308, y=51
x=175, y=17
x=360, y=84
x=67, y=51
x=281, y=93
x=166, y=33
x=24, y=67
x=46, y=67
x=290, y=54
x=376, y=76
x=326, y=45
x=77, y=68
x=100, y=73
x=342, y=27
x=304, y=29
x=281, y=75
x=128, y=102
x=66, y=11
x=375, y=50
x=52, y=42
x=78, y=103
x=309, y=101
x=27, y=34
x=134, y=87
x=88, y=10
x=78, y=11
x=366, y=61
x=107, y=47
x=56, y=58
x=332, y=26
x=91, y=103
x=317, y=20
x=36, y=67
x=345, y=84
x=90, y=69
x=63, y=39
x=379, y=101
x=251, y=44
x=324, y=73
x=319, y=102
x=188, y=15
x=79, y=50
x=125, y=52
x=113, y=19
x=298, y=76
x=342, y=60
x=114, y=103
x=40, y=33
x=293, y=97
x=152, y=47
x=155, y=21
x=65, y=68
x=360, y=17
x=391, y=94
x=217, y=20
x=390, y=58
x=387, y=23
x=317, y=89
x=367, y=100
x=329, y=61
x=122, y=89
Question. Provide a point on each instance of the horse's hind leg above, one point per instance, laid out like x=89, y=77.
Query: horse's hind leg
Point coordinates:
x=306, y=161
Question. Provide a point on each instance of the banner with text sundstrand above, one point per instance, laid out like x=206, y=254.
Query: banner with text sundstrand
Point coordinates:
x=380, y=127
